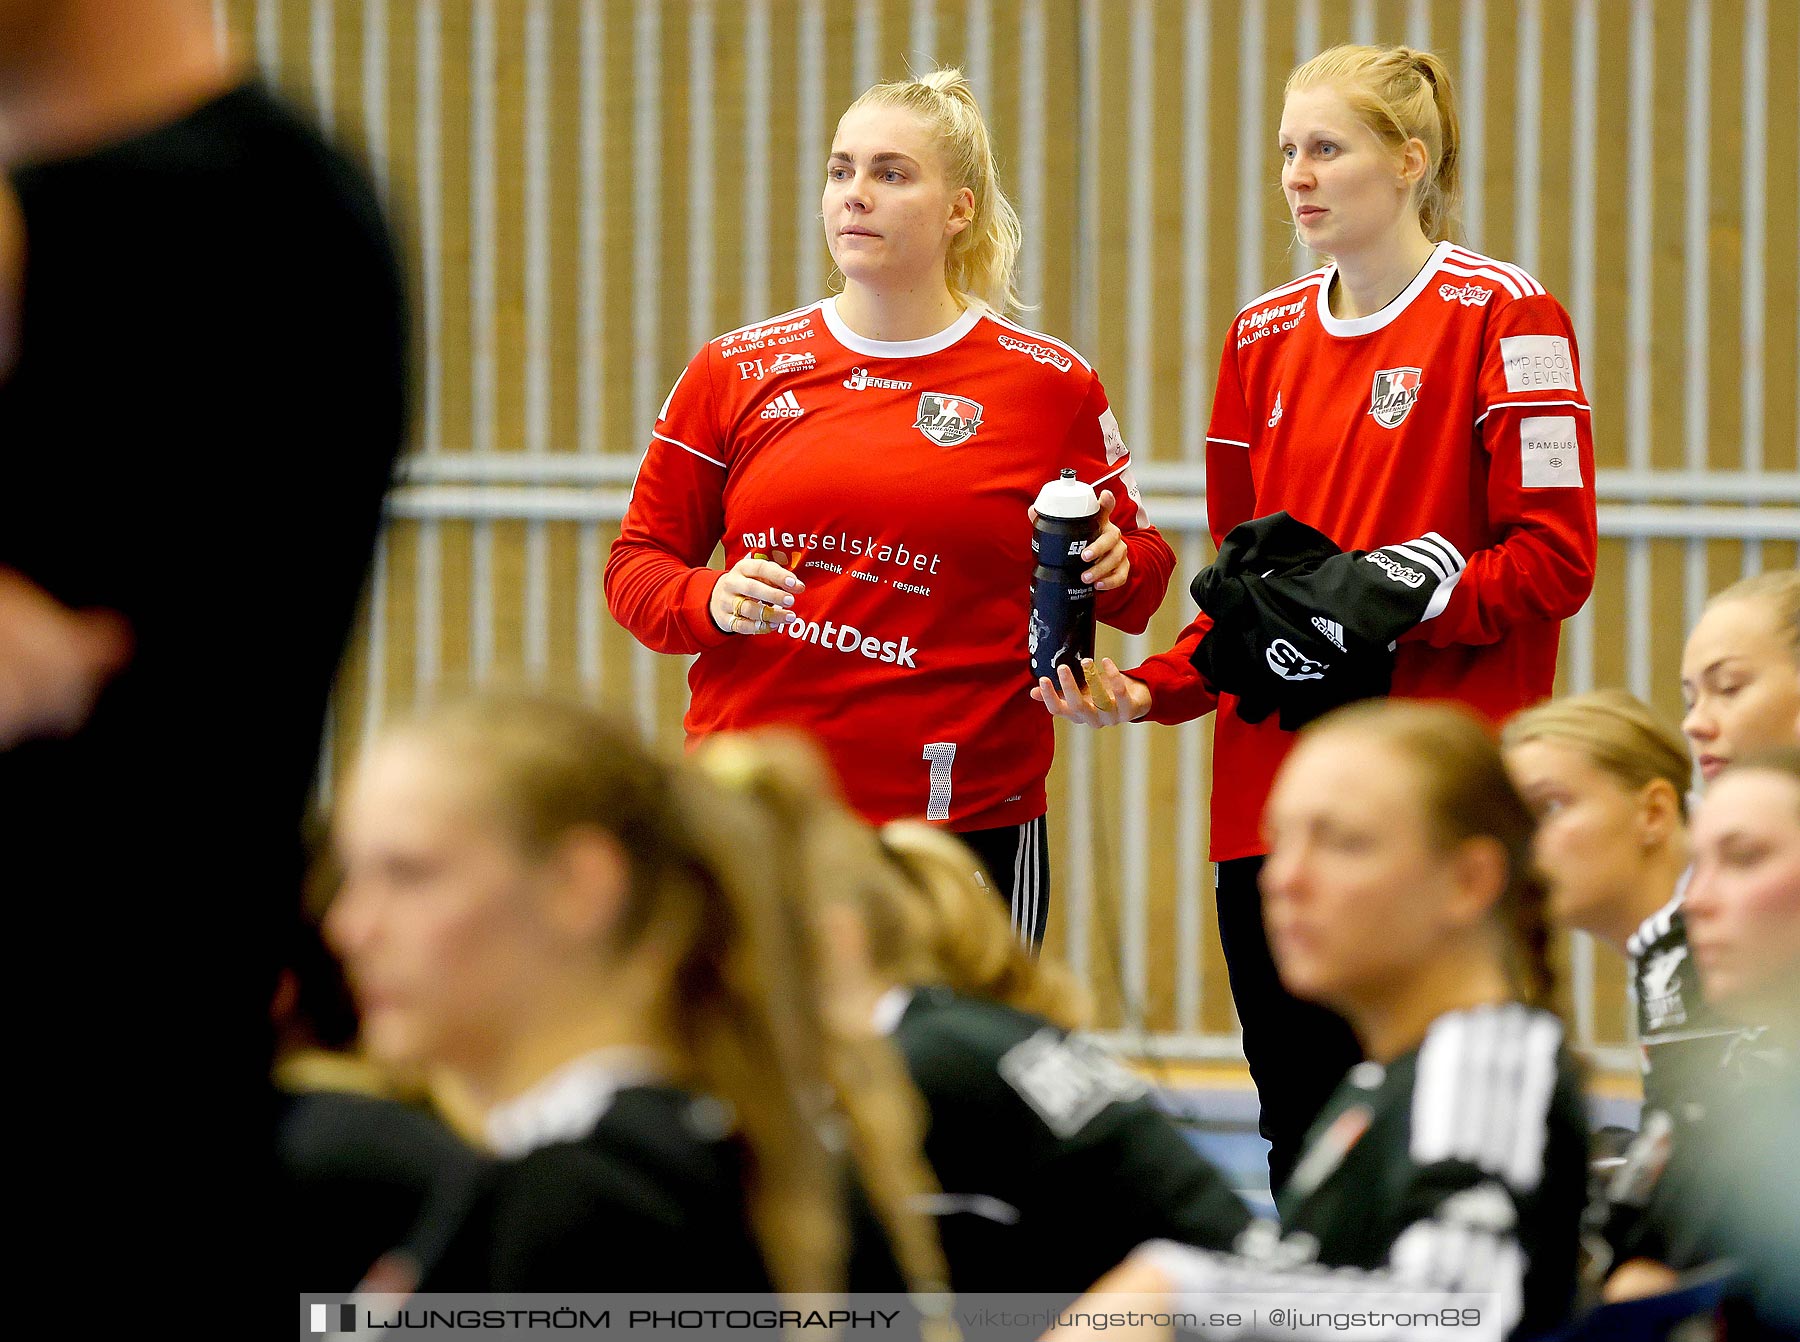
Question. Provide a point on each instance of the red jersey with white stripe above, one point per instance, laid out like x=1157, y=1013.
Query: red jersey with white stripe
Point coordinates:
x=901, y=472
x=1455, y=409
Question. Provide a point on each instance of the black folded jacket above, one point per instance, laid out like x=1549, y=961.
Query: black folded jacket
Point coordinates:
x=1301, y=627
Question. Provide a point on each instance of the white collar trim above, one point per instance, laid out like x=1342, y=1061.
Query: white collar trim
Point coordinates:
x=1653, y=927
x=565, y=1106
x=899, y=349
x=1374, y=321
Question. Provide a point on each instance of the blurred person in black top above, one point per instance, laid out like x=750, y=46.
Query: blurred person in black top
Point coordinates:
x=375, y=1182
x=206, y=393
x=1607, y=779
x=1399, y=891
x=1729, y=1190
x=1051, y=1157
x=588, y=943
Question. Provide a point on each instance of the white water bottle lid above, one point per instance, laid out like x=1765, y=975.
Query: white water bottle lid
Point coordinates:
x=1067, y=498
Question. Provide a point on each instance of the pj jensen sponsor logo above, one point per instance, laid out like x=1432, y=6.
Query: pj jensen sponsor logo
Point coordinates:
x=859, y=379
x=784, y=363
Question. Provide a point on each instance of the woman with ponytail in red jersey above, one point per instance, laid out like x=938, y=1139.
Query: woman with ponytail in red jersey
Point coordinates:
x=1419, y=406
x=868, y=463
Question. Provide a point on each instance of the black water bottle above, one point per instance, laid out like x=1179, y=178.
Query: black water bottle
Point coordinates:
x=1062, y=605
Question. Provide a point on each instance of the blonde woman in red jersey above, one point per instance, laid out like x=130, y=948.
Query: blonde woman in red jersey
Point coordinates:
x=1411, y=395
x=868, y=463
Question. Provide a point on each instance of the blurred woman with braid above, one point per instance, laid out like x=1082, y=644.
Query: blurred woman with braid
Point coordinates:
x=1051, y=1156
x=1607, y=779
x=587, y=942
x=1399, y=892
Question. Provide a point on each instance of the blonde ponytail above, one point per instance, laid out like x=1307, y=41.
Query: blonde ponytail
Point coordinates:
x=958, y=935
x=825, y=849
x=982, y=258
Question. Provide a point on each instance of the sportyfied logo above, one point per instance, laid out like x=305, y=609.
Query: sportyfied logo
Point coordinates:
x=851, y=641
x=1042, y=353
x=1469, y=295
x=1400, y=573
x=947, y=420
x=1288, y=662
x=1392, y=397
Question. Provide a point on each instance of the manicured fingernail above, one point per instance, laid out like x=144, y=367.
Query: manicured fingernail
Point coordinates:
x=794, y=583
x=787, y=600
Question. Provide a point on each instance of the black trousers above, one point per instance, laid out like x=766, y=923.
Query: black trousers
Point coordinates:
x=1017, y=859
x=1298, y=1052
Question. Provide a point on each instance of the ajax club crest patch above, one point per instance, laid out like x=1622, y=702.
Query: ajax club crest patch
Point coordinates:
x=947, y=420
x=1393, y=395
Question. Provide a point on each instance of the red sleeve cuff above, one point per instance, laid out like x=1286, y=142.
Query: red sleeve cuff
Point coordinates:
x=696, y=597
x=1177, y=692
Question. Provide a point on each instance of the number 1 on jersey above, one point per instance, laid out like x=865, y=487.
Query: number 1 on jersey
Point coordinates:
x=941, y=754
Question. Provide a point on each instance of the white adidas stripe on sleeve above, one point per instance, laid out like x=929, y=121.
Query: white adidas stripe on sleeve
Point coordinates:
x=1483, y=1091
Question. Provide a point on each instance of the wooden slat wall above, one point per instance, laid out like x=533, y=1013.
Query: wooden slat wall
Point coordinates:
x=614, y=182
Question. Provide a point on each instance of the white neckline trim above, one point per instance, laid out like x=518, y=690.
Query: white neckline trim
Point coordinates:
x=899, y=349
x=1658, y=923
x=890, y=1008
x=1374, y=321
x=565, y=1106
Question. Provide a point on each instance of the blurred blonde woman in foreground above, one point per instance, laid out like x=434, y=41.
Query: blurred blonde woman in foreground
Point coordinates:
x=1052, y=1158
x=590, y=942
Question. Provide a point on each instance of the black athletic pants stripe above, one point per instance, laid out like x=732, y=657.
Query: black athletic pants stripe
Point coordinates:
x=1017, y=859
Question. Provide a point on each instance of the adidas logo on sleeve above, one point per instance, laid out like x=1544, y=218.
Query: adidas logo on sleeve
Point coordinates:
x=783, y=406
x=1332, y=630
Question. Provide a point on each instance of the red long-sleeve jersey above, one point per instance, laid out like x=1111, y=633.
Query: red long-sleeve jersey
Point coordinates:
x=1457, y=408
x=901, y=472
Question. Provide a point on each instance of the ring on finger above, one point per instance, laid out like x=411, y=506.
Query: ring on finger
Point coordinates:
x=737, y=609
